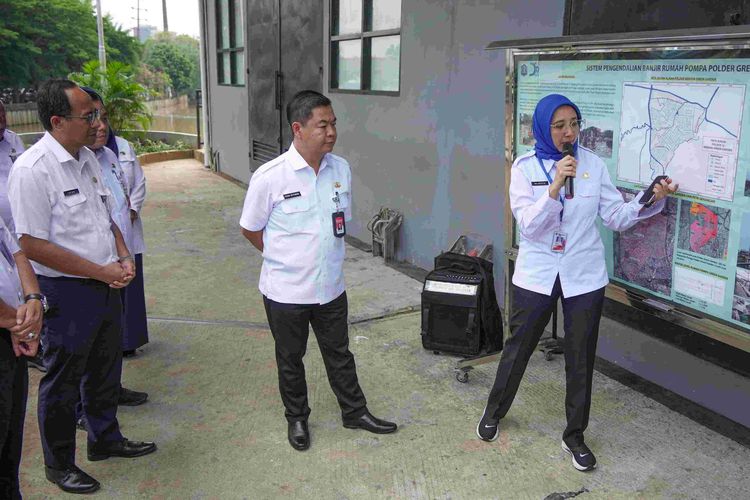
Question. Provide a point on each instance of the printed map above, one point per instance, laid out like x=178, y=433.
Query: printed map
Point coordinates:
x=643, y=253
x=690, y=132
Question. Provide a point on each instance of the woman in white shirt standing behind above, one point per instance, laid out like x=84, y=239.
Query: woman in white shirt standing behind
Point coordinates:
x=135, y=332
x=133, y=181
x=561, y=256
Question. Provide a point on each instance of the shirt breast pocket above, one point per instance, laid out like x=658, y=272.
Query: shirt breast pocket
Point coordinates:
x=587, y=194
x=74, y=202
x=295, y=214
x=75, y=214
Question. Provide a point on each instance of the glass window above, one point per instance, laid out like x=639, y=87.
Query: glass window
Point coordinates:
x=385, y=54
x=239, y=65
x=349, y=17
x=238, y=31
x=366, y=45
x=386, y=14
x=230, y=42
x=349, y=63
x=223, y=12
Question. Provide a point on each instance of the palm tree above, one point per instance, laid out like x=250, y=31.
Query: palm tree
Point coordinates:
x=124, y=98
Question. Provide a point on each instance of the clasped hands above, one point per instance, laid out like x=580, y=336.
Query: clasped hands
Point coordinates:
x=118, y=274
x=25, y=330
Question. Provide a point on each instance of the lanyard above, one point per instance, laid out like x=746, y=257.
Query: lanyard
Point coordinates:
x=562, y=199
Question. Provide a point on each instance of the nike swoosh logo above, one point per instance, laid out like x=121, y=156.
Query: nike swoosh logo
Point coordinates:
x=584, y=455
x=489, y=426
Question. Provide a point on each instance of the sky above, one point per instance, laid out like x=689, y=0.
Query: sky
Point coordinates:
x=182, y=15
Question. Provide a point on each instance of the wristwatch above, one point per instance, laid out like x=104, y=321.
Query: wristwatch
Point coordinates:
x=41, y=298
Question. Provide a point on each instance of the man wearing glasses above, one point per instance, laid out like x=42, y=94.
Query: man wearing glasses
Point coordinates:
x=61, y=210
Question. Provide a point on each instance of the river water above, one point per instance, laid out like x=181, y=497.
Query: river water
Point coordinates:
x=172, y=118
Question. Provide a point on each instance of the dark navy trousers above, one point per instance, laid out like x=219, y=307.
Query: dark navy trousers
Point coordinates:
x=14, y=384
x=83, y=357
x=290, y=328
x=531, y=312
x=135, y=326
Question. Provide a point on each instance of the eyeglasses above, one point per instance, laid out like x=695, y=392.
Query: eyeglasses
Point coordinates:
x=89, y=117
x=574, y=124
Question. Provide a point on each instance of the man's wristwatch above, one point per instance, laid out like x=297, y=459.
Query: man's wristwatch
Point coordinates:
x=41, y=298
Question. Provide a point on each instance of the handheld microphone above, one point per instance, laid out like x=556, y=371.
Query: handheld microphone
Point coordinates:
x=567, y=150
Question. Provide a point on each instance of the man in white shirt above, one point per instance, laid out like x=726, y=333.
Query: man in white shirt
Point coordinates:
x=20, y=324
x=11, y=148
x=62, y=213
x=295, y=212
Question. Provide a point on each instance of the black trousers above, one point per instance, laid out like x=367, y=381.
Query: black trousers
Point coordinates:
x=83, y=356
x=531, y=313
x=14, y=385
x=290, y=328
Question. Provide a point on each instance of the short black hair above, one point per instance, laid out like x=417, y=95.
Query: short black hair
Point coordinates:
x=93, y=93
x=52, y=100
x=300, y=108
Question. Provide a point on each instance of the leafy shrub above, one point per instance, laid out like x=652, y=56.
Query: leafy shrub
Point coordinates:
x=149, y=146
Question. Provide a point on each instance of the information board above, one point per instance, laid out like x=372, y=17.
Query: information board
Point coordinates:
x=680, y=112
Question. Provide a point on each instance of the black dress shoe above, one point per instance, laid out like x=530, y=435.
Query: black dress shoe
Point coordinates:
x=72, y=480
x=370, y=423
x=124, y=448
x=299, y=435
x=36, y=362
x=131, y=398
x=81, y=424
x=130, y=353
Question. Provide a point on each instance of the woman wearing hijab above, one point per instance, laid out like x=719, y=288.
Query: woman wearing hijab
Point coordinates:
x=560, y=256
x=135, y=326
x=115, y=179
x=129, y=175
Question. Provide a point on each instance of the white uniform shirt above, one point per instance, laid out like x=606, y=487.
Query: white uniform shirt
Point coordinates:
x=114, y=178
x=302, y=259
x=11, y=291
x=11, y=148
x=137, y=184
x=57, y=198
x=581, y=267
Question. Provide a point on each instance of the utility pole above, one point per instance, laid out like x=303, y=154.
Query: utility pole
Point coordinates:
x=137, y=19
x=100, y=31
x=164, y=14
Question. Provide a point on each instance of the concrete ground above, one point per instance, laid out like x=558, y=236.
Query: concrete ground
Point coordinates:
x=215, y=411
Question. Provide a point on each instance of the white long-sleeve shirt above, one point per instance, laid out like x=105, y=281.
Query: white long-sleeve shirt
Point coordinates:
x=136, y=181
x=581, y=266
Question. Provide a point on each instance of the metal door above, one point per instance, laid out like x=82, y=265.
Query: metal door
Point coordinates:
x=285, y=55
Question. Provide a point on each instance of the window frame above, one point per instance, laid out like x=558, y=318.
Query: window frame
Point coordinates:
x=365, y=35
x=232, y=50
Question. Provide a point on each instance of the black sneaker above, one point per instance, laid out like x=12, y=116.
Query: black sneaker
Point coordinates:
x=36, y=362
x=583, y=458
x=487, y=428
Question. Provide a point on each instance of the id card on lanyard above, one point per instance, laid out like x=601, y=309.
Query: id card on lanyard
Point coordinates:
x=559, y=238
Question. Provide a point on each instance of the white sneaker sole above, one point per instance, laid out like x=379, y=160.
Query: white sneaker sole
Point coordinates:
x=573, y=459
x=497, y=429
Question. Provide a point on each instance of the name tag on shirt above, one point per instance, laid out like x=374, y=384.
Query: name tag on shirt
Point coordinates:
x=70, y=192
x=292, y=195
x=540, y=183
x=559, y=240
x=339, y=224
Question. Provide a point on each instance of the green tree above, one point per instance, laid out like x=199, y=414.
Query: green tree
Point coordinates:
x=120, y=45
x=155, y=80
x=178, y=57
x=41, y=39
x=124, y=98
